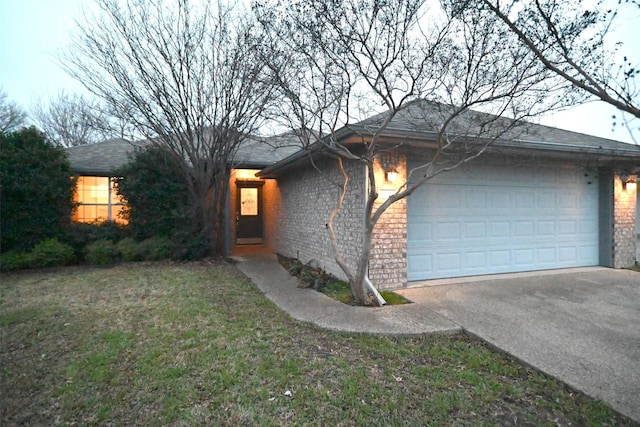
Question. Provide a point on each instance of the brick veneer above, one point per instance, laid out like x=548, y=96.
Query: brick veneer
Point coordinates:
x=307, y=197
x=624, y=217
x=388, y=259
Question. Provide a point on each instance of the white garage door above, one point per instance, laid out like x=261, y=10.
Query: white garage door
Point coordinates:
x=482, y=219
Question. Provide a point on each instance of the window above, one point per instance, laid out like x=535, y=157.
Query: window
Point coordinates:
x=97, y=200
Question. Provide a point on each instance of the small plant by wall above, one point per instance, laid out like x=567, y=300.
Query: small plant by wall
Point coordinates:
x=313, y=277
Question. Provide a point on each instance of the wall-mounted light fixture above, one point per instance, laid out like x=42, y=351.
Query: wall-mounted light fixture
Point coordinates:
x=628, y=181
x=391, y=175
x=247, y=174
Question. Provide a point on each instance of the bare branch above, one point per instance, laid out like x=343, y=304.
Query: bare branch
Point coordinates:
x=189, y=78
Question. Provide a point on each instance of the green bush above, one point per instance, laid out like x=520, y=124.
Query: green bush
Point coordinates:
x=130, y=250
x=50, y=253
x=156, y=193
x=102, y=252
x=15, y=260
x=79, y=235
x=37, y=189
x=155, y=248
x=187, y=247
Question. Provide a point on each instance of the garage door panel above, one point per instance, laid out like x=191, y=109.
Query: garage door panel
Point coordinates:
x=546, y=227
x=476, y=260
x=475, y=230
x=482, y=221
x=588, y=228
x=524, y=257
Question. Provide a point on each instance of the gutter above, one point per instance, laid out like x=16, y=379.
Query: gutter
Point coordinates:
x=419, y=138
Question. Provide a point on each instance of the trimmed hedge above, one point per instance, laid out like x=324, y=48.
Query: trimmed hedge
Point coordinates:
x=79, y=235
x=156, y=193
x=50, y=253
x=102, y=252
x=37, y=189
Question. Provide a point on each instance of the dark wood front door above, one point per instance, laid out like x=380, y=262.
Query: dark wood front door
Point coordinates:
x=249, y=223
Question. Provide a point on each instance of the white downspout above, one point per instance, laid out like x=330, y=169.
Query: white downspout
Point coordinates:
x=367, y=281
x=374, y=291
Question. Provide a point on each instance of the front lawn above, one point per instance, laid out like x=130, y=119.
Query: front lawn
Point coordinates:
x=198, y=344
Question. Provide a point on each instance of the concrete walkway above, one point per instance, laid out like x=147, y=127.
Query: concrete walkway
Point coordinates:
x=308, y=305
x=580, y=326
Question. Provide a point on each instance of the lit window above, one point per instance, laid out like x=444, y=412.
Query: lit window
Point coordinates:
x=97, y=199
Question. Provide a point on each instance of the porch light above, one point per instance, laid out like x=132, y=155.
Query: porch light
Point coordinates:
x=629, y=180
x=391, y=175
x=247, y=174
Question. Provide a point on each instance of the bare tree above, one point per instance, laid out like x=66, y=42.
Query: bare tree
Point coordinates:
x=426, y=63
x=570, y=39
x=11, y=116
x=187, y=76
x=72, y=120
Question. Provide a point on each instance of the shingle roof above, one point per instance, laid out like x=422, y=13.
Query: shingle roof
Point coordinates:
x=101, y=158
x=419, y=122
x=264, y=151
x=104, y=157
x=422, y=119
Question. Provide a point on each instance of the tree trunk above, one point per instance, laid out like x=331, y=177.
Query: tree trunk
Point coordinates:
x=358, y=288
x=218, y=199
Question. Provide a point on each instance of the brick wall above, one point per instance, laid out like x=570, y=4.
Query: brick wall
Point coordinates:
x=388, y=260
x=624, y=217
x=307, y=197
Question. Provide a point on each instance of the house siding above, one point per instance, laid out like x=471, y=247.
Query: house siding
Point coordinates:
x=623, y=222
x=388, y=259
x=306, y=199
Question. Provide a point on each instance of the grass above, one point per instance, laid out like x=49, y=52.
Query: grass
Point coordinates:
x=198, y=344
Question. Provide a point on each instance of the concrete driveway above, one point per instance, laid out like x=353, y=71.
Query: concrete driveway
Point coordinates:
x=581, y=326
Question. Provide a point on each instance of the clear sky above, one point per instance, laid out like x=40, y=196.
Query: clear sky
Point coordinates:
x=32, y=31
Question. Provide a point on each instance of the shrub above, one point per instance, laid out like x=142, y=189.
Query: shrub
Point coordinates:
x=187, y=247
x=155, y=248
x=37, y=189
x=102, y=252
x=130, y=250
x=50, y=253
x=79, y=235
x=111, y=230
x=15, y=260
x=156, y=193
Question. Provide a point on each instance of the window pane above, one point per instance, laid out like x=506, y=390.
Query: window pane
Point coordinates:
x=248, y=201
x=114, y=195
x=102, y=212
x=115, y=214
x=101, y=190
x=86, y=213
x=93, y=189
x=82, y=182
x=92, y=193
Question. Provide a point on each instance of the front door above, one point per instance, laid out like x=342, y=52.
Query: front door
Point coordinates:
x=249, y=227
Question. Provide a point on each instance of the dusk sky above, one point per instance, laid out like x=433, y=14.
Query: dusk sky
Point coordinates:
x=33, y=31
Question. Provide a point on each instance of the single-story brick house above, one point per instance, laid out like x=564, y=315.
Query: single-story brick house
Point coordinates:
x=541, y=199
